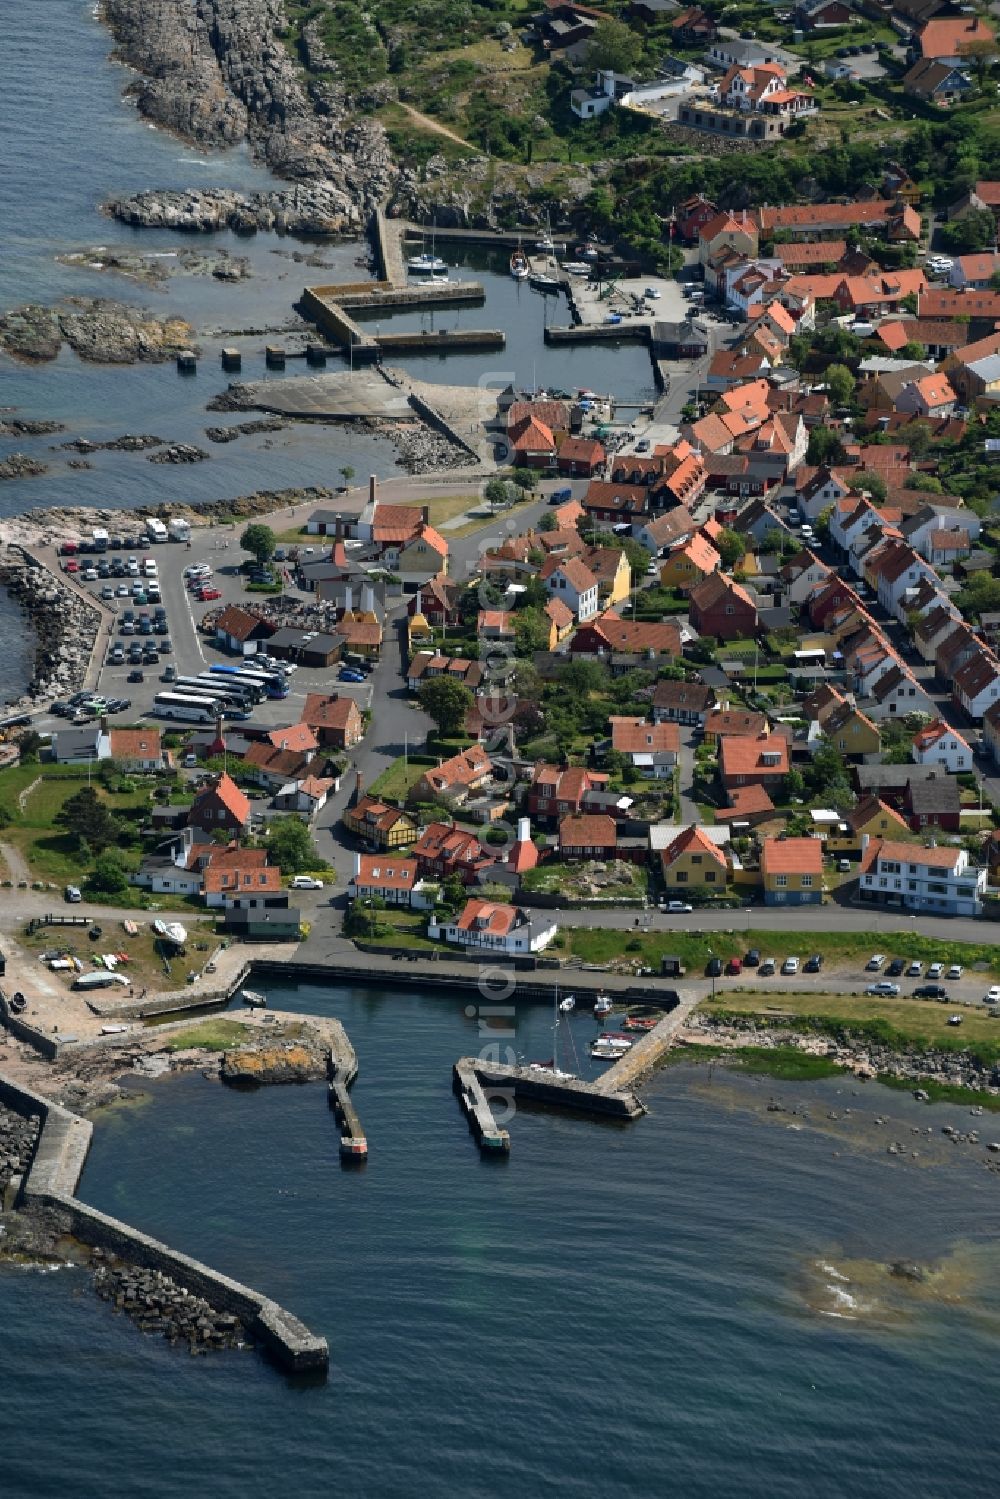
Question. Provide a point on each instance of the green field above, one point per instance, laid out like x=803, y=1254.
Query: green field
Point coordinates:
x=900, y=1021
x=398, y=779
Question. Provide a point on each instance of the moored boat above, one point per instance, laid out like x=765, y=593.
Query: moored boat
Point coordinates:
x=567, y=1004
x=252, y=998
x=426, y=264
x=603, y=1005
x=640, y=1023
x=541, y=282
x=519, y=267
x=607, y=1051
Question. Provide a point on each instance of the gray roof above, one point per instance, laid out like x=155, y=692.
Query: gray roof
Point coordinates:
x=893, y=777
x=939, y=795
x=289, y=638
x=69, y=743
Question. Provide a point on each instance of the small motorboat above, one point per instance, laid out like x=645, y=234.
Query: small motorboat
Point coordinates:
x=640, y=1023
x=254, y=1000
x=603, y=1005
x=576, y=267
x=616, y=1039
x=607, y=1051
x=567, y=1004
x=545, y=245
x=541, y=282
x=519, y=267
x=18, y=1003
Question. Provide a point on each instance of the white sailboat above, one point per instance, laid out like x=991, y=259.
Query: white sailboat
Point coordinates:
x=519, y=267
x=427, y=263
x=567, y=1004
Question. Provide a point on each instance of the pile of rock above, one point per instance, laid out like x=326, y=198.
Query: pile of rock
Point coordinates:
x=245, y=429
x=178, y=452
x=65, y=626
x=18, y=1138
x=290, y=1062
x=421, y=449
x=20, y=466
x=157, y=1304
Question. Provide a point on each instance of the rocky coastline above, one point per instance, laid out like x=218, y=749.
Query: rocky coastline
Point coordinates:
x=867, y=1059
x=218, y=72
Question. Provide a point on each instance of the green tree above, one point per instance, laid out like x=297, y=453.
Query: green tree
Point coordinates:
x=289, y=844
x=524, y=479
x=259, y=541
x=613, y=45
x=531, y=631
x=730, y=547
x=639, y=557
x=88, y=820
x=580, y=678
x=548, y=522
x=28, y=746
x=446, y=702
x=498, y=493
x=453, y=893
x=841, y=382
x=825, y=447
x=873, y=483
x=108, y=876
x=347, y=473
x=912, y=350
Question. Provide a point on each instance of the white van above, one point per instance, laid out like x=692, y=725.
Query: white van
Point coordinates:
x=149, y=567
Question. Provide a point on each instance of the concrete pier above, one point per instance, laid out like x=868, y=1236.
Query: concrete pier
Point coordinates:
x=274, y=357
x=586, y=333
x=642, y=1058
x=472, y=1076
x=492, y=1140
x=353, y=1144
x=187, y=363
x=232, y=359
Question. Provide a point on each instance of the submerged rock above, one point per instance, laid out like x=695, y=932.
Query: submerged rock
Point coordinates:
x=100, y=332
x=907, y=1270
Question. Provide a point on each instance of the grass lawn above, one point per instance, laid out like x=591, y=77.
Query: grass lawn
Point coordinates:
x=399, y=778
x=217, y=1034
x=603, y=945
x=575, y=881
x=407, y=931
x=50, y=853
x=483, y=523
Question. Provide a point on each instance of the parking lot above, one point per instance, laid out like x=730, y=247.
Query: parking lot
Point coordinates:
x=152, y=608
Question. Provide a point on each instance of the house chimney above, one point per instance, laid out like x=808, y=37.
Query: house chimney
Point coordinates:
x=425, y=512
x=524, y=830
x=358, y=783
x=338, y=527
x=372, y=490
x=104, y=723
x=418, y=603
x=357, y=866
x=368, y=598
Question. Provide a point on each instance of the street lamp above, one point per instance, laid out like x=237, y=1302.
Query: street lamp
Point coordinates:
x=711, y=964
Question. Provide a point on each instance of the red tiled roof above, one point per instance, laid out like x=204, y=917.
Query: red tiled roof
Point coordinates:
x=386, y=871
x=588, y=831
x=791, y=856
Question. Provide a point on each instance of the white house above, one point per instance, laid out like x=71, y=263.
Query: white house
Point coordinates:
x=937, y=744
x=803, y=575
x=917, y=529
x=897, y=693
x=394, y=878
x=975, y=685
x=496, y=928
x=824, y=489
x=572, y=581
x=939, y=879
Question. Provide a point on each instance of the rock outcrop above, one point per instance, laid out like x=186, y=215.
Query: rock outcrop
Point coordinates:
x=218, y=72
x=100, y=332
x=293, y=1062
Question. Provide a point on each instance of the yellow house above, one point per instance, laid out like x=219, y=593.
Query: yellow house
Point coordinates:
x=792, y=871
x=376, y=822
x=610, y=567
x=871, y=816
x=419, y=633
x=852, y=732
x=689, y=563
x=693, y=859
x=561, y=619
x=425, y=556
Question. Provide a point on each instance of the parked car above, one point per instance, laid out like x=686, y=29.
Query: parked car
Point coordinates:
x=767, y=968
x=751, y=959
x=935, y=970
x=348, y=674
x=207, y=594
x=790, y=965
x=875, y=962
x=136, y=676
x=305, y=882
x=843, y=866
x=895, y=968
x=734, y=968
x=713, y=968
x=883, y=988
x=930, y=991
x=954, y=1020
x=955, y=971
x=72, y=894
x=814, y=964
x=992, y=995
x=677, y=907
x=914, y=970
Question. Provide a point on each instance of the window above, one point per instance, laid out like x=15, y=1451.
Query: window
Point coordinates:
x=806, y=881
x=681, y=876
x=781, y=880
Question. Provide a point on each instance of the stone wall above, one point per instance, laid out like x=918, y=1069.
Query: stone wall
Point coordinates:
x=51, y=1185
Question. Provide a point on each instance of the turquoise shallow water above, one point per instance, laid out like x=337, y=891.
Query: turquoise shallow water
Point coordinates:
x=622, y=1310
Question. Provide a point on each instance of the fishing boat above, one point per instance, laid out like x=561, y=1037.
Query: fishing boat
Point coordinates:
x=576, y=267
x=519, y=267
x=254, y=1000
x=567, y=1004
x=544, y=283
x=603, y=1005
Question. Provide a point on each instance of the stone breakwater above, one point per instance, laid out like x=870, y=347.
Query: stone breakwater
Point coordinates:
x=18, y=1138
x=65, y=626
x=217, y=72
x=158, y=1305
